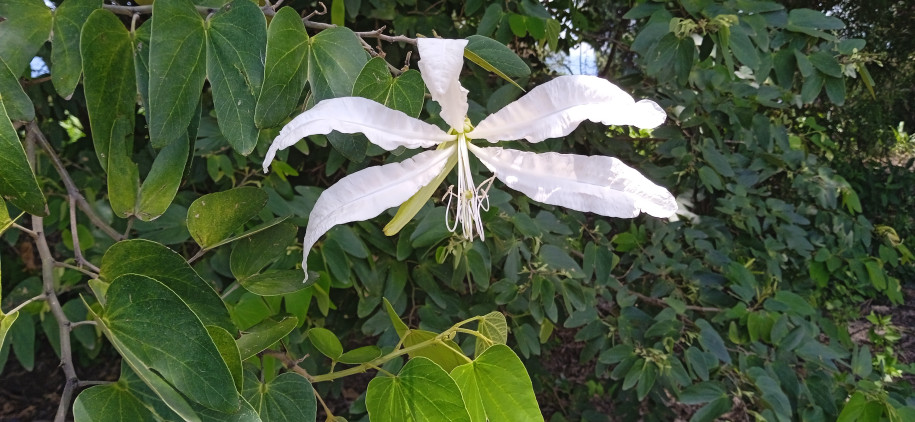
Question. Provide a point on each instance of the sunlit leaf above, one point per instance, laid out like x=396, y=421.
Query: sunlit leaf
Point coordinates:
x=214, y=217
x=286, y=68
x=422, y=391
x=496, y=387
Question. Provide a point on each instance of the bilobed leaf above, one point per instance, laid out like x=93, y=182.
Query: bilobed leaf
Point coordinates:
x=17, y=102
x=111, y=402
x=404, y=93
x=286, y=68
x=155, y=331
x=496, y=57
x=326, y=342
x=495, y=328
x=214, y=217
x=335, y=58
x=422, y=391
x=496, y=387
x=69, y=18
x=236, y=47
x=169, y=268
x=17, y=182
x=25, y=28
x=176, y=69
x=288, y=397
x=253, y=253
x=261, y=336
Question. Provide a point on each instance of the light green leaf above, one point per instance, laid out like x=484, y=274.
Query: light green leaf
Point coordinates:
x=335, y=58
x=154, y=330
x=156, y=261
x=448, y=355
x=495, y=328
x=261, y=336
x=286, y=68
x=236, y=47
x=326, y=342
x=411, y=207
x=6, y=321
x=176, y=69
x=496, y=387
x=288, y=397
x=360, y=355
x=17, y=102
x=276, y=282
x=112, y=402
x=225, y=343
x=398, y=324
x=496, y=57
x=405, y=93
x=212, y=218
x=251, y=254
x=422, y=391
x=17, y=182
x=69, y=18
x=337, y=12
x=25, y=28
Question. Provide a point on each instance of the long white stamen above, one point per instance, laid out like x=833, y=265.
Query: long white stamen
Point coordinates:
x=469, y=198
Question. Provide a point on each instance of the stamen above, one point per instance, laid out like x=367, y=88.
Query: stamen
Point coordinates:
x=470, y=199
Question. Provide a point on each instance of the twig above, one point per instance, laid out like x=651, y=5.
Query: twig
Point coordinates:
x=24, y=230
x=26, y=303
x=47, y=282
x=203, y=10
x=82, y=384
x=77, y=251
x=35, y=132
x=80, y=269
x=86, y=322
x=289, y=363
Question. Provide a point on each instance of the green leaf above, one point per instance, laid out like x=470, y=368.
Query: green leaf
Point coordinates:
x=702, y=392
x=326, y=342
x=25, y=28
x=337, y=12
x=398, y=324
x=176, y=69
x=335, y=59
x=288, y=397
x=225, y=343
x=169, y=268
x=422, y=391
x=812, y=87
x=161, y=185
x=154, y=330
x=111, y=402
x=517, y=24
x=286, y=68
x=276, y=282
x=712, y=411
x=558, y=259
x=490, y=19
x=263, y=335
x=809, y=21
x=495, y=328
x=835, y=90
x=360, y=355
x=69, y=18
x=826, y=63
x=404, y=93
x=496, y=57
x=6, y=321
x=447, y=355
x=212, y=218
x=711, y=341
x=717, y=160
x=17, y=102
x=496, y=387
x=236, y=46
x=251, y=254
x=17, y=182
x=854, y=407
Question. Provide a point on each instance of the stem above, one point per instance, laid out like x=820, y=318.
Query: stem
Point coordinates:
x=24, y=230
x=324, y=405
x=26, y=303
x=78, y=323
x=74, y=234
x=75, y=268
x=197, y=256
x=34, y=132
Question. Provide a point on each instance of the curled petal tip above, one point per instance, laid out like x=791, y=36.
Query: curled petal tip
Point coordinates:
x=649, y=114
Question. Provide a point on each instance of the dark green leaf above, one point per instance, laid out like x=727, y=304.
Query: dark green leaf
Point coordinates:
x=169, y=268
x=225, y=343
x=835, y=90
x=422, y=391
x=335, y=58
x=276, y=282
x=176, y=69
x=702, y=392
x=490, y=19
x=558, y=259
x=18, y=104
x=286, y=68
x=263, y=335
x=288, y=397
x=112, y=402
x=711, y=341
x=69, y=18
x=404, y=93
x=236, y=46
x=712, y=411
x=17, y=182
x=495, y=57
x=212, y=218
x=826, y=63
x=251, y=254
x=496, y=387
x=164, y=178
x=26, y=26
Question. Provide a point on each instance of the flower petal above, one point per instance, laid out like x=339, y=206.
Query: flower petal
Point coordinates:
x=555, y=109
x=383, y=126
x=598, y=184
x=367, y=193
x=440, y=64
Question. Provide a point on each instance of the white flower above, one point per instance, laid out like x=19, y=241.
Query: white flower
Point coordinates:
x=598, y=184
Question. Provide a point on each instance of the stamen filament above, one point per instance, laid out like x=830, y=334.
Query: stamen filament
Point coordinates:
x=470, y=198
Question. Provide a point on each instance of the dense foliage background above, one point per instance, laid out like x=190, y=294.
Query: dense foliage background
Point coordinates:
x=771, y=296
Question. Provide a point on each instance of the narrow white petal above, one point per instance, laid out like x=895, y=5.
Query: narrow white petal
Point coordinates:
x=555, y=109
x=367, y=193
x=440, y=63
x=383, y=126
x=598, y=184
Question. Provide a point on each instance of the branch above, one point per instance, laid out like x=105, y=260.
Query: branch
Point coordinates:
x=47, y=282
x=35, y=133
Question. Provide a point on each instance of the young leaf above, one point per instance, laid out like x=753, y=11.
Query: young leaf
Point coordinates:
x=496, y=387
x=17, y=182
x=176, y=69
x=212, y=218
x=236, y=46
x=69, y=18
x=495, y=328
x=286, y=69
x=360, y=355
x=288, y=397
x=326, y=342
x=422, y=391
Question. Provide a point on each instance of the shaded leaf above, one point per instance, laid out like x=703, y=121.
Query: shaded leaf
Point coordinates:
x=496, y=57
x=288, y=397
x=69, y=18
x=17, y=182
x=251, y=254
x=261, y=336
x=17, y=102
x=26, y=26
